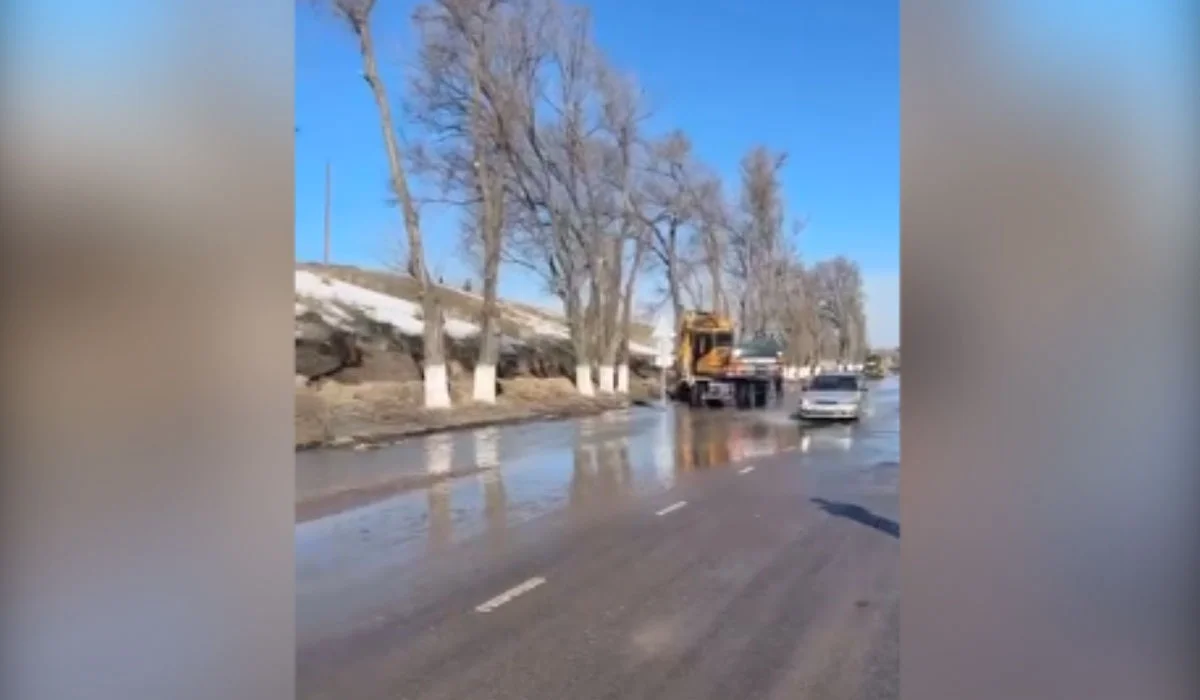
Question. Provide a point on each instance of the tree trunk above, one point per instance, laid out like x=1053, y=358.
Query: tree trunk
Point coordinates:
x=485, y=366
x=714, y=272
x=436, y=379
x=577, y=321
x=597, y=327
x=437, y=390
x=673, y=277
x=718, y=294
x=490, y=226
x=626, y=327
x=623, y=373
x=611, y=307
x=606, y=347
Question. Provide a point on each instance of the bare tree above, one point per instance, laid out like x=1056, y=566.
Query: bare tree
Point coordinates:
x=838, y=285
x=668, y=210
x=809, y=321
x=620, y=151
x=547, y=141
x=454, y=98
x=641, y=245
x=357, y=15
x=758, y=254
x=713, y=228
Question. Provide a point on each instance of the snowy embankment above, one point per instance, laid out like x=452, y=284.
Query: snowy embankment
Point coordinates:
x=337, y=303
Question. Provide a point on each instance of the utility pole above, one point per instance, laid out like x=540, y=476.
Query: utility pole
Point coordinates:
x=328, y=179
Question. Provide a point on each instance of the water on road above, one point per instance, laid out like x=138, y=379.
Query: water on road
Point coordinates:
x=531, y=469
x=586, y=465
x=651, y=553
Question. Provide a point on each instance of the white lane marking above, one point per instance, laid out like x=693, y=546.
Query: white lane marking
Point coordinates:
x=746, y=470
x=672, y=508
x=510, y=594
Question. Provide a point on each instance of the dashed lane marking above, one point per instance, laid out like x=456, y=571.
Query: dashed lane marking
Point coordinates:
x=746, y=470
x=671, y=508
x=510, y=594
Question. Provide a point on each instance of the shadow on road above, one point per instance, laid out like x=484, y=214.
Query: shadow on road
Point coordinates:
x=859, y=515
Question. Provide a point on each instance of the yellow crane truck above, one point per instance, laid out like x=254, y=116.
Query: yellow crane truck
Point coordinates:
x=712, y=371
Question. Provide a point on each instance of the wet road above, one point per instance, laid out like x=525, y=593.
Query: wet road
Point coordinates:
x=646, y=554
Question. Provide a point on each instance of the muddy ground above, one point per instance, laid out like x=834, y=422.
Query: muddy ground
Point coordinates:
x=360, y=385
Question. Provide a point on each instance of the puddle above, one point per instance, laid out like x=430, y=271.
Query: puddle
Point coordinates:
x=582, y=465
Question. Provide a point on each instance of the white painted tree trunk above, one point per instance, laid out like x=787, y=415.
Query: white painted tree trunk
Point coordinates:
x=583, y=380
x=485, y=384
x=605, y=374
x=622, y=378
x=437, y=388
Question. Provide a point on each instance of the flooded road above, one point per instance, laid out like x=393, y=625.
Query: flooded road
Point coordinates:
x=565, y=497
x=534, y=468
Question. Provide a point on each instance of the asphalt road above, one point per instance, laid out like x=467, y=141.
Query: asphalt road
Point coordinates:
x=677, y=554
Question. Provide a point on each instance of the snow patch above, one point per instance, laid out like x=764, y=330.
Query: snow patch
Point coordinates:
x=403, y=315
x=336, y=302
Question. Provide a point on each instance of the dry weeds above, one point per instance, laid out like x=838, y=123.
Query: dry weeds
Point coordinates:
x=332, y=411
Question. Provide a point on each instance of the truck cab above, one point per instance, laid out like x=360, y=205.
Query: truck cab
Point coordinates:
x=713, y=370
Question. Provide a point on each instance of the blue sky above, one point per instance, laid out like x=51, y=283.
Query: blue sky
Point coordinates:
x=815, y=78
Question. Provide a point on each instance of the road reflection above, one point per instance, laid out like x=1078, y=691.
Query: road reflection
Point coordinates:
x=487, y=447
x=441, y=518
x=439, y=453
x=504, y=478
x=518, y=473
x=836, y=436
x=495, y=504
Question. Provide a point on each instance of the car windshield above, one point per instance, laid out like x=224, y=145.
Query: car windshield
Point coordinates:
x=828, y=382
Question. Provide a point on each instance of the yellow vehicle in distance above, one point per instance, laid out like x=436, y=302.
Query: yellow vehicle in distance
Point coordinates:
x=714, y=371
x=874, y=367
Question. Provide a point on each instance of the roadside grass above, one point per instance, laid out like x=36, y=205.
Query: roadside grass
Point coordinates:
x=329, y=411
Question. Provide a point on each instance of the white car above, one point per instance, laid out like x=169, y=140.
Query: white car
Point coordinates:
x=834, y=396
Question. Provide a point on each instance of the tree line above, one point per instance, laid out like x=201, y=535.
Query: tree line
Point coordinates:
x=526, y=127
